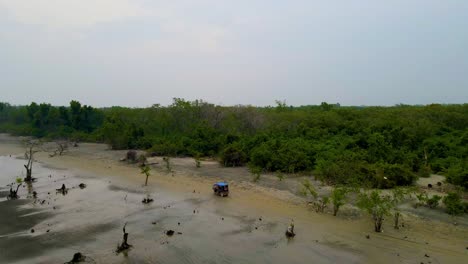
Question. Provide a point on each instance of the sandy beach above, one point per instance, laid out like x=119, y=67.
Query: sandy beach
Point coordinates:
x=246, y=227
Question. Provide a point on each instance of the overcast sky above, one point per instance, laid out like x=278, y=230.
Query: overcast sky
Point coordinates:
x=141, y=52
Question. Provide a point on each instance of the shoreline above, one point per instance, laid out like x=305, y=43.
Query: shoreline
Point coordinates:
x=345, y=233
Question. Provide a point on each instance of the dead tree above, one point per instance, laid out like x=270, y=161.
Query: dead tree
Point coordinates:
x=32, y=147
x=124, y=245
x=62, y=146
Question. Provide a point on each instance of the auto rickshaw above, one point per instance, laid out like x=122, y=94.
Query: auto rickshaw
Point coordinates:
x=221, y=188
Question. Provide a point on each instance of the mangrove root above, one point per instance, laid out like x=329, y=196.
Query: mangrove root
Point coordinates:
x=124, y=245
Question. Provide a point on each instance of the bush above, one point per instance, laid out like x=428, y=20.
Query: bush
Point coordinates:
x=338, y=198
x=458, y=174
x=422, y=198
x=233, y=156
x=290, y=156
x=377, y=205
x=433, y=202
x=453, y=204
x=424, y=171
x=396, y=175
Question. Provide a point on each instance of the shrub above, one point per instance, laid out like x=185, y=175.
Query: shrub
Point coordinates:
x=433, y=202
x=424, y=171
x=338, y=198
x=422, y=198
x=377, y=205
x=458, y=174
x=453, y=204
x=233, y=156
x=308, y=189
x=396, y=175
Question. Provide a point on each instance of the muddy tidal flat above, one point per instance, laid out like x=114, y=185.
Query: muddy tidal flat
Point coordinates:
x=48, y=226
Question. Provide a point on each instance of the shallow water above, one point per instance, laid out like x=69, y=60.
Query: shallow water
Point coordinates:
x=90, y=220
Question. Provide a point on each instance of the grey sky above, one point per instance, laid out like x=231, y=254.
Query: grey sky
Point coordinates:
x=140, y=52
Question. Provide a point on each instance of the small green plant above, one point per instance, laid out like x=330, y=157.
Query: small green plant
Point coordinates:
x=308, y=189
x=453, y=204
x=398, y=194
x=422, y=198
x=145, y=169
x=167, y=161
x=256, y=172
x=377, y=205
x=197, y=163
x=433, y=202
x=280, y=176
x=321, y=204
x=338, y=198
x=19, y=181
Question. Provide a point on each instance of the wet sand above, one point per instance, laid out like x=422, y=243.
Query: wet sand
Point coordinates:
x=222, y=230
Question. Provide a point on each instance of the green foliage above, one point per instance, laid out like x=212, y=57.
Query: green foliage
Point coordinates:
x=167, y=161
x=280, y=176
x=380, y=147
x=233, y=155
x=433, y=202
x=19, y=180
x=338, y=198
x=398, y=194
x=422, y=198
x=377, y=205
x=424, y=172
x=321, y=204
x=458, y=173
x=145, y=169
x=392, y=175
x=453, y=204
x=256, y=172
x=308, y=189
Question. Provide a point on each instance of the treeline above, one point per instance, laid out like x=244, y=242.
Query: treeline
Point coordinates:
x=374, y=146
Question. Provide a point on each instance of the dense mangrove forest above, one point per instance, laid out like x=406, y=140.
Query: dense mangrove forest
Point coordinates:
x=379, y=147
